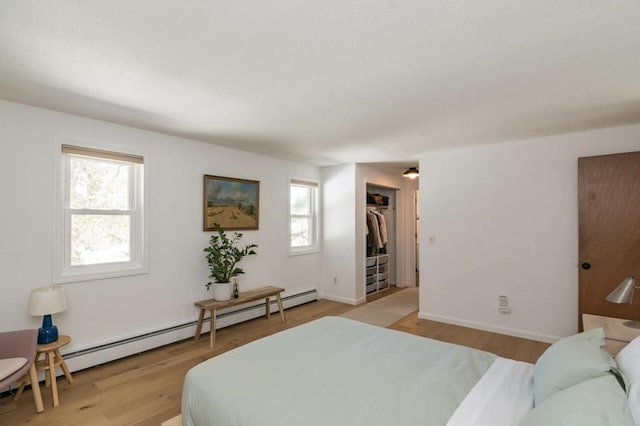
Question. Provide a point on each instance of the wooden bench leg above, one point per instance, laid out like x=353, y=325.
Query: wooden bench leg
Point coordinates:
x=268, y=307
x=212, y=332
x=199, y=327
x=280, y=307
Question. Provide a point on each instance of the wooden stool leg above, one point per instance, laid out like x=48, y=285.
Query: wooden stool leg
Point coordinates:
x=47, y=376
x=199, y=327
x=35, y=387
x=280, y=306
x=212, y=332
x=52, y=378
x=268, y=307
x=64, y=367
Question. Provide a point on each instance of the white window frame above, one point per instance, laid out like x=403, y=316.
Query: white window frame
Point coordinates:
x=63, y=271
x=314, y=247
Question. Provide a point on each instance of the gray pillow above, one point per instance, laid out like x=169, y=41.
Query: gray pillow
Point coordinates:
x=598, y=401
x=570, y=361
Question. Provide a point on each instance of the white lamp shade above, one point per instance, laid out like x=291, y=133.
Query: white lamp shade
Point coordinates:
x=47, y=300
x=624, y=292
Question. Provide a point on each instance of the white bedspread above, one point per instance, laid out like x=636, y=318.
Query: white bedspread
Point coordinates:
x=335, y=371
x=502, y=397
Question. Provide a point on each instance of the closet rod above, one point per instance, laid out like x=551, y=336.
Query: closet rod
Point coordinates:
x=377, y=207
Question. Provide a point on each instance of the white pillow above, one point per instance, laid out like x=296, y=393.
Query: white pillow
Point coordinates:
x=599, y=401
x=8, y=366
x=570, y=361
x=628, y=361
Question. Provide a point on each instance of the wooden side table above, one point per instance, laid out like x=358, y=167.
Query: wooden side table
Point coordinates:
x=51, y=359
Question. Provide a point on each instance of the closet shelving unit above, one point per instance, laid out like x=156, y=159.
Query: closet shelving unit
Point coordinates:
x=377, y=266
x=377, y=275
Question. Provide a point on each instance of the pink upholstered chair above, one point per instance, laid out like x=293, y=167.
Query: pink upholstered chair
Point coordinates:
x=13, y=346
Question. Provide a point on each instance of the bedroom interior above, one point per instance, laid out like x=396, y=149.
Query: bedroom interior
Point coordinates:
x=146, y=388
x=523, y=120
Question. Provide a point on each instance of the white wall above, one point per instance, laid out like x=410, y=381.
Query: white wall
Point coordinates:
x=505, y=221
x=338, y=238
x=102, y=311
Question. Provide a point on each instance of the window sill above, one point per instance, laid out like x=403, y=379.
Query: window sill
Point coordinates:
x=303, y=251
x=78, y=276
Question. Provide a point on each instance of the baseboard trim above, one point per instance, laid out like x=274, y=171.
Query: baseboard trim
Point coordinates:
x=110, y=351
x=488, y=327
x=348, y=301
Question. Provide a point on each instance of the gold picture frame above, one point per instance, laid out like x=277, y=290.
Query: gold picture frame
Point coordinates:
x=232, y=203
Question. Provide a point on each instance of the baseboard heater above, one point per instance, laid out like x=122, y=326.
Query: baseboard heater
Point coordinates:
x=95, y=355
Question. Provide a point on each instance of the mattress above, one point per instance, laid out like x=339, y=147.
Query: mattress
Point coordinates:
x=335, y=371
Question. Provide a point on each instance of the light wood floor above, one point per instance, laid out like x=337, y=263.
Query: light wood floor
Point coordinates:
x=145, y=389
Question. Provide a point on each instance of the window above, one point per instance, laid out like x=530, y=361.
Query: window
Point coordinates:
x=303, y=214
x=100, y=229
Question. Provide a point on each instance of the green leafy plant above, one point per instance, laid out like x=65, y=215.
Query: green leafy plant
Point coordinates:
x=224, y=254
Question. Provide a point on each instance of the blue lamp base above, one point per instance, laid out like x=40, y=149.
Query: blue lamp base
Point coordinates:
x=48, y=332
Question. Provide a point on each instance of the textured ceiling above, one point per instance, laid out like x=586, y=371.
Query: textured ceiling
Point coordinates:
x=329, y=82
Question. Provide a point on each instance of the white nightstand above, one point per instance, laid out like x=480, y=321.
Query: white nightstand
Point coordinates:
x=617, y=335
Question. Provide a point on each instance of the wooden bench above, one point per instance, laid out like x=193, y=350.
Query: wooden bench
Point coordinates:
x=244, y=297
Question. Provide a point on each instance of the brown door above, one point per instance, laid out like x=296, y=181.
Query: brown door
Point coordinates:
x=609, y=231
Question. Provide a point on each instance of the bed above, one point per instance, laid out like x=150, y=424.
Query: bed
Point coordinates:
x=336, y=371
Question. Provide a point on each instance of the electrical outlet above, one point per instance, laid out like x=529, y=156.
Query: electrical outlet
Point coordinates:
x=503, y=304
x=335, y=280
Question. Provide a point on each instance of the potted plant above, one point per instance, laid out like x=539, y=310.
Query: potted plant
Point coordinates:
x=223, y=256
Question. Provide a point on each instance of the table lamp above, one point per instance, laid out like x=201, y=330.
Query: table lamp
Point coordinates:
x=47, y=301
x=623, y=293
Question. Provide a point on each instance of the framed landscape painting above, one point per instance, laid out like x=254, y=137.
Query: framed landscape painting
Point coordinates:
x=231, y=203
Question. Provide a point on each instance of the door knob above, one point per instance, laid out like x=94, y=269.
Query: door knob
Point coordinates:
x=585, y=266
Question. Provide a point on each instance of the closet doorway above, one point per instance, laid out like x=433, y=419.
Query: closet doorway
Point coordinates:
x=381, y=250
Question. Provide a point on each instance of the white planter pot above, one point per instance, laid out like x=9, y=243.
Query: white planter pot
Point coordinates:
x=222, y=291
